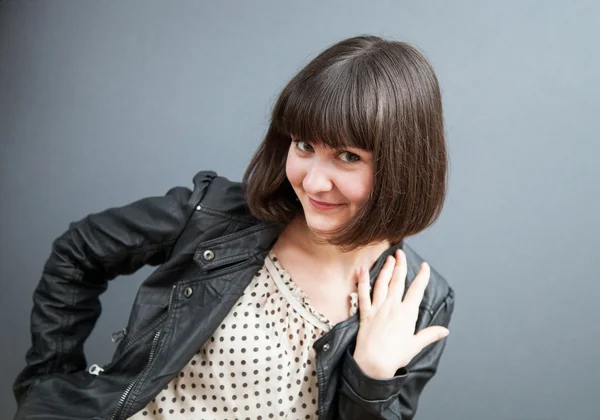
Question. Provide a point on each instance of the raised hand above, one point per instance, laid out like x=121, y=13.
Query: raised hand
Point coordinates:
x=386, y=338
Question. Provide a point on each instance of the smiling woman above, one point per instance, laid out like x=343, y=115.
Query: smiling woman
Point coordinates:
x=331, y=185
x=290, y=294
x=379, y=100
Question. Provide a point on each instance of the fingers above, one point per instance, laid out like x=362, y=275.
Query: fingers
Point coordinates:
x=415, y=292
x=382, y=283
x=430, y=335
x=399, y=276
x=364, y=289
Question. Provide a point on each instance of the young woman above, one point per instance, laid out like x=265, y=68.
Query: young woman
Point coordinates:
x=289, y=295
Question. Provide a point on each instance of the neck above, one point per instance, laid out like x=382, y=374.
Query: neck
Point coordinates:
x=330, y=256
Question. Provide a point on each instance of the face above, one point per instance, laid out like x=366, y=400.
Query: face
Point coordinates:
x=332, y=185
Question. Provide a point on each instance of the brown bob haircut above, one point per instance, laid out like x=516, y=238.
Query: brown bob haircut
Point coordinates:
x=373, y=94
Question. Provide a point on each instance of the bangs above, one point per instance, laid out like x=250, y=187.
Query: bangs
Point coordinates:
x=336, y=106
x=371, y=94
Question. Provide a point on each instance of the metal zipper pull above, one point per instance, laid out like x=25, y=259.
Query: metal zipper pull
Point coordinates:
x=119, y=335
x=95, y=370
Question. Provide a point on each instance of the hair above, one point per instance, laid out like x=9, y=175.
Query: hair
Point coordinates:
x=370, y=93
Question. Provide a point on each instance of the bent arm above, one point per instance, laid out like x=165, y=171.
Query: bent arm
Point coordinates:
x=94, y=250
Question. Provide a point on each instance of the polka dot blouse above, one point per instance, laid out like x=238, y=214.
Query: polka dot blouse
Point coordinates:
x=258, y=364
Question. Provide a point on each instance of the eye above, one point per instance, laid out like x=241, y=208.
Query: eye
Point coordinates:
x=350, y=157
x=303, y=146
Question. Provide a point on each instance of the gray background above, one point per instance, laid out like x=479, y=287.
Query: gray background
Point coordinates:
x=106, y=102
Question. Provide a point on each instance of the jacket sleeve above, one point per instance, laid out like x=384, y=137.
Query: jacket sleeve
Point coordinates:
x=363, y=397
x=95, y=249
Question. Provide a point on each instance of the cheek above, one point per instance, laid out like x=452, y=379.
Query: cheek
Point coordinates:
x=293, y=170
x=358, y=187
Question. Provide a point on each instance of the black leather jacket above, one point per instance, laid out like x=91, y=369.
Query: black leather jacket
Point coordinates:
x=180, y=304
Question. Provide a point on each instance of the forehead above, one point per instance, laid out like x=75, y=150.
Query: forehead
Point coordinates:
x=338, y=110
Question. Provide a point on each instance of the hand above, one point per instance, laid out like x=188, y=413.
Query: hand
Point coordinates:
x=386, y=338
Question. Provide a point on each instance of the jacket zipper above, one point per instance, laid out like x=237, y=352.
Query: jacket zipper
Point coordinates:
x=123, y=398
x=130, y=341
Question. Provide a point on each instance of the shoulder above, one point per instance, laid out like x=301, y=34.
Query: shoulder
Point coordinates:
x=221, y=195
x=438, y=294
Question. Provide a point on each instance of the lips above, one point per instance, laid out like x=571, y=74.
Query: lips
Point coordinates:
x=321, y=205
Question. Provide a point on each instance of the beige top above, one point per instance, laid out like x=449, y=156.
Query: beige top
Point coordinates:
x=258, y=364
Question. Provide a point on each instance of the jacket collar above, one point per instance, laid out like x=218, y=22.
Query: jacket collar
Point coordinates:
x=254, y=241
x=238, y=246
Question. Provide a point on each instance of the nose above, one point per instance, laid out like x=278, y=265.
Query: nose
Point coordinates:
x=317, y=179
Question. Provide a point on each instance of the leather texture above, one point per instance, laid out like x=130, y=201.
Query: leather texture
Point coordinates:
x=206, y=247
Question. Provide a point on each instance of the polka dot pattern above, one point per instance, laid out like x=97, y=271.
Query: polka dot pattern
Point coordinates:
x=258, y=364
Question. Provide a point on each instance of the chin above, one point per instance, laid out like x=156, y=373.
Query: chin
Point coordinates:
x=325, y=222
x=320, y=224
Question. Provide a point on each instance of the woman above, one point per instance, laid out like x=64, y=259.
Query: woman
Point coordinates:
x=253, y=310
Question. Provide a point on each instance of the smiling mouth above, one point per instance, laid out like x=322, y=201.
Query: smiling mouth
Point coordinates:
x=321, y=205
